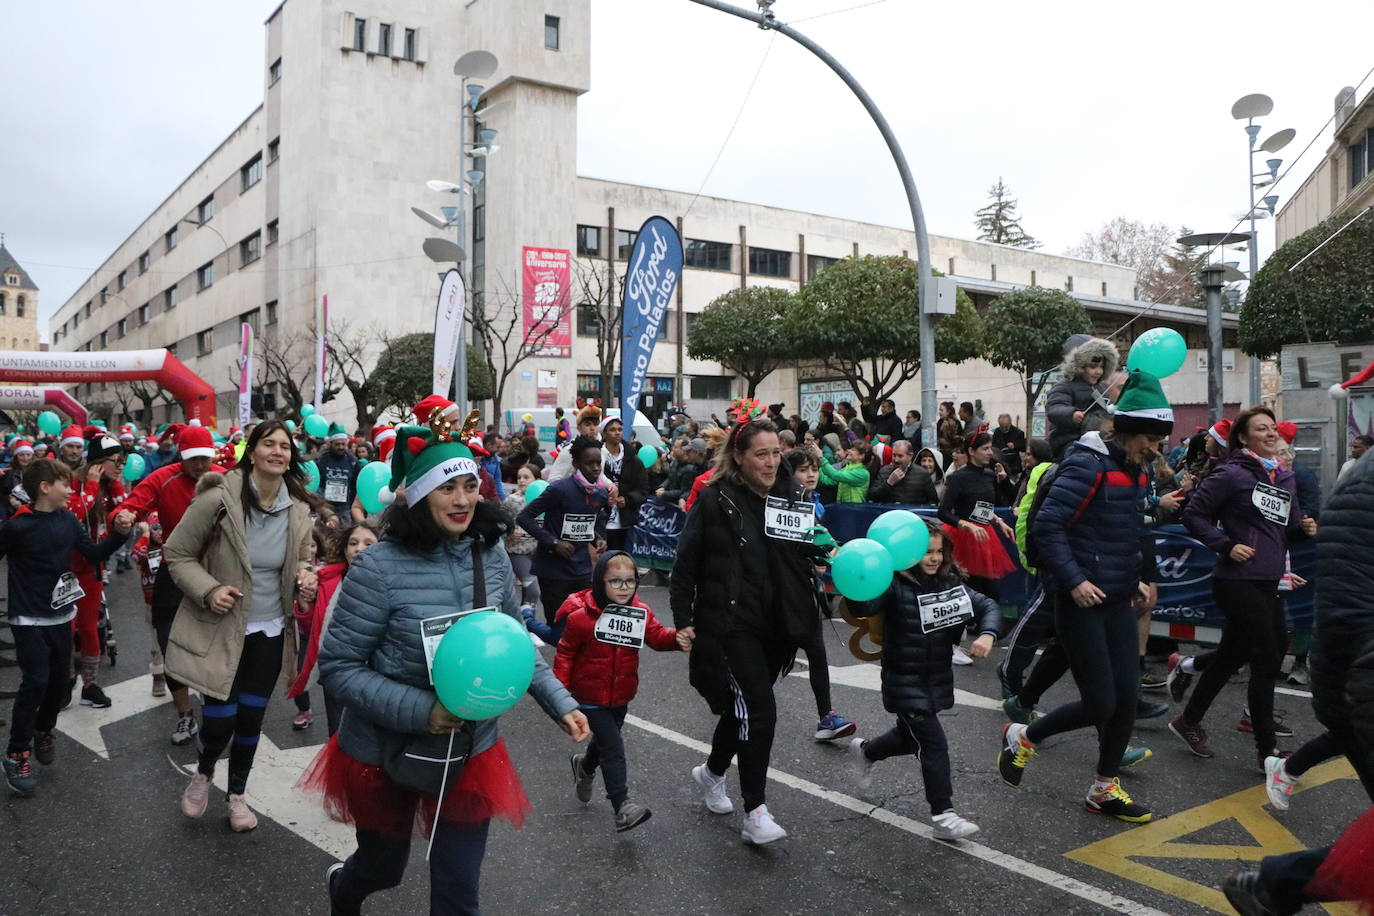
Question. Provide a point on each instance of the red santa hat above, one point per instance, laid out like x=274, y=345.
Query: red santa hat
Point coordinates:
x=22, y=446
x=196, y=442
x=171, y=433
x=1363, y=377
x=384, y=440
x=73, y=435
x=883, y=451
x=426, y=408
x=1220, y=431
x=478, y=447
x=1288, y=431
x=126, y=432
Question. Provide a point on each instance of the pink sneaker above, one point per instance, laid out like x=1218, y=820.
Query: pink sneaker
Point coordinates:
x=241, y=817
x=302, y=720
x=196, y=798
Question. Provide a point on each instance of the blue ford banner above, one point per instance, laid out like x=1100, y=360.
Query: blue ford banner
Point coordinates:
x=653, y=541
x=650, y=280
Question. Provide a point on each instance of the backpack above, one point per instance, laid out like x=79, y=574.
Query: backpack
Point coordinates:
x=1031, y=555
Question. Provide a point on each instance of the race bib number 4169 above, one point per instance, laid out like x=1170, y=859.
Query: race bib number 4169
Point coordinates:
x=787, y=520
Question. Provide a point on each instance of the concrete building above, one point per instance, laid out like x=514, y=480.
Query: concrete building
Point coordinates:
x=310, y=197
x=18, y=305
x=1344, y=180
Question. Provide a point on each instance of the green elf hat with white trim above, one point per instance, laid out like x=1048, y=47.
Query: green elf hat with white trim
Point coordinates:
x=336, y=432
x=1142, y=407
x=425, y=457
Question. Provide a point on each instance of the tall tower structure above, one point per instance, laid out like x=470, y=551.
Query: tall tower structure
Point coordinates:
x=18, y=304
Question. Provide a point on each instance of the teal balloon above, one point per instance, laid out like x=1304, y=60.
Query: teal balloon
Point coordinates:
x=533, y=490
x=1159, y=351
x=100, y=423
x=371, y=479
x=50, y=423
x=904, y=534
x=483, y=665
x=290, y=426
x=133, y=468
x=648, y=455
x=307, y=409
x=312, y=476
x=862, y=569
x=316, y=426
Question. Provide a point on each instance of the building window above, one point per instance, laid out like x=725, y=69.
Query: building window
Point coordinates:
x=589, y=241
x=1068, y=283
x=359, y=34
x=274, y=72
x=951, y=267
x=205, y=276
x=1359, y=161
x=815, y=263
x=250, y=249
x=1032, y=278
x=408, y=45
x=19, y=305
x=76, y=320
x=711, y=387
x=143, y=313
x=1135, y=292
x=768, y=262
x=271, y=308
x=122, y=280
x=89, y=303
x=169, y=298
x=273, y=150
x=143, y=261
x=170, y=238
x=1104, y=287
x=272, y=233
x=205, y=342
x=12, y=279
x=104, y=339
x=705, y=255
x=588, y=319
x=624, y=243
x=121, y=327
x=251, y=173
x=384, y=39
x=2, y=308
x=994, y=273
x=206, y=209
x=551, y=32
x=252, y=319
x=104, y=294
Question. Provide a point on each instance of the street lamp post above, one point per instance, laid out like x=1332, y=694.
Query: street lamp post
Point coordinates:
x=1213, y=279
x=765, y=19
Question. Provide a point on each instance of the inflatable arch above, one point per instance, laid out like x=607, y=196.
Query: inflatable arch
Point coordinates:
x=196, y=397
x=16, y=398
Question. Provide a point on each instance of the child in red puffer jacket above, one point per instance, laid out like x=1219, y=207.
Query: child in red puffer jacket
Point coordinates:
x=598, y=661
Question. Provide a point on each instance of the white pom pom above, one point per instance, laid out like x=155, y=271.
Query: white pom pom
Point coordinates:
x=193, y=422
x=1337, y=392
x=386, y=496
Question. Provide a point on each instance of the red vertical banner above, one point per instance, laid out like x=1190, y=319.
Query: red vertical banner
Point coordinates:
x=546, y=293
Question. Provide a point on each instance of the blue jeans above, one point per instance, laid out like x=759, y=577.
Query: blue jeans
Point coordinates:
x=455, y=865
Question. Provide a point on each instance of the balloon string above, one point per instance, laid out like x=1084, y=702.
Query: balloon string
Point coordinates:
x=439, y=805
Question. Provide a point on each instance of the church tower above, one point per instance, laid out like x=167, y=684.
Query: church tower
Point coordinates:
x=18, y=305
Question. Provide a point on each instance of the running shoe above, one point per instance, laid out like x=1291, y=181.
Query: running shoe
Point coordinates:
x=1299, y=676
x=1134, y=755
x=834, y=726
x=1015, y=754
x=195, y=798
x=1278, y=785
x=1177, y=679
x=950, y=826
x=241, y=817
x=44, y=750
x=630, y=816
x=1145, y=709
x=19, y=774
x=1017, y=713
x=1152, y=679
x=582, y=780
x=1116, y=803
x=1281, y=727
x=1195, y=736
x=186, y=729
x=303, y=720
x=713, y=789
x=760, y=829
x=862, y=765
x=1245, y=892
x=330, y=875
x=960, y=657
x=93, y=696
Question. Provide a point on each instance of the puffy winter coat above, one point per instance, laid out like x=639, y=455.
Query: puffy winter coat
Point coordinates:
x=598, y=673
x=561, y=498
x=918, y=668
x=916, y=488
x=372, y=660
x=1225, y=497
x=1074, y=394
x=1090, y=525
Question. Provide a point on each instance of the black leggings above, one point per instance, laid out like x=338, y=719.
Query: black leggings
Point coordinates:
x=1033, y=628
x=1256, y=633
x=922, y=735
x=746, y=727
x=607, y=750
x=1319, y=749
x=1052, y=665
x=1103, y=648
x=818, y=670
x=239, y=716
x=166, y=600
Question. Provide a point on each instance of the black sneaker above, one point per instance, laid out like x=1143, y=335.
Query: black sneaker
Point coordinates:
x=1177, y=680
x=1281, y=726
x=1148, y=709
x=92, y=695
x=1152, y=679
x=19, y=774
x=43, y=749
x=1116, y=803
x=1015, y=754
x=582, y=780
x=1244, y=891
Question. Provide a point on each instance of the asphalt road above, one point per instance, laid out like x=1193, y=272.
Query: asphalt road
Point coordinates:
x=104, y=833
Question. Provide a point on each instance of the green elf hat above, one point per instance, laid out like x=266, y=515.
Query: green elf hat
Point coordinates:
x=1142, y=407
x=336, y=432
x=426, y=456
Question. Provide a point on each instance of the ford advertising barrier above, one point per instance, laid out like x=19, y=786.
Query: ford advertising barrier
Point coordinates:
x=1186, y=609
x=651, y=277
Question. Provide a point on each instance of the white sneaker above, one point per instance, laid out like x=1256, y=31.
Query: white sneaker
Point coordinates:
x=862, y=765
x=1278, y=785
x=960, y=656
x=950, y=826
x=186, y=729
x=713, y=787
x=760, y=828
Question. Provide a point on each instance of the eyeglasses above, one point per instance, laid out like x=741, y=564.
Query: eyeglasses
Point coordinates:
x=622, y=583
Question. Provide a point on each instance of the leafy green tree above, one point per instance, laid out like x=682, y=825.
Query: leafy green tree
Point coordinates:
x=404, y=374
x=743, y=331
x=1330, y=297
x=859, y=319
x=998, y=221
x=1024, y=331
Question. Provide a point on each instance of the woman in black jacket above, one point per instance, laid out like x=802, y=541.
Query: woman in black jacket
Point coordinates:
x=924, y=615
x=971, y=493
x=622, y=467
x=744, y=591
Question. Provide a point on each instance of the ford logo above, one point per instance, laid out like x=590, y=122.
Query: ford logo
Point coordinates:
x=1182, y=560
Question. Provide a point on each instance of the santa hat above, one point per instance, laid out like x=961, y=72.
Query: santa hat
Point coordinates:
x=478, y=447
x=72, y=435
x=607, y=421
x=102, y=447
x=227, y=456
x=424, y=411
x=337, y=433
x=22, y=446
x=384, y=438
x=127, y=432
x=1142, y=407
x=1363, y=377
x=235, y=434
x=170, y=434
x=1287, y=430
x=883, y=451
x=195, y=442
x=428, y=456
x=1220, y=431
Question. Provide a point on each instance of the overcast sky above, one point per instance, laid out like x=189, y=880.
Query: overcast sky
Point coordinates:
x=1087, y=110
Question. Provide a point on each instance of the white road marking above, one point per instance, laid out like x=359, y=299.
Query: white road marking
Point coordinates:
x=869, y=677
x=83, y=723
x=1294, y=693
x=1011, y=863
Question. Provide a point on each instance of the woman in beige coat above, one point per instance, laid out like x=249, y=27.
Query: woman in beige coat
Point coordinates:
x=239, y=554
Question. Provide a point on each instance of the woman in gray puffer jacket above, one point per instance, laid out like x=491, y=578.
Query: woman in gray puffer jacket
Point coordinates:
x=373, y=661
x=1080, y=401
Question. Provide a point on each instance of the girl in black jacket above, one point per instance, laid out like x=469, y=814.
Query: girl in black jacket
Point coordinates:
x=924, y=615
x=971, y=527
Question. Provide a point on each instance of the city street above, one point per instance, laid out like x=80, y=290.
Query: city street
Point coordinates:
x=104, y=833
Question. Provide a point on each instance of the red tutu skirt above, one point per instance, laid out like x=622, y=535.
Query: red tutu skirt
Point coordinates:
x=363, y=795
x=1346, y=875
x=986, y=559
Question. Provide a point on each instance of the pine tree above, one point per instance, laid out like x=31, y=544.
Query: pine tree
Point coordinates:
x=998, y=222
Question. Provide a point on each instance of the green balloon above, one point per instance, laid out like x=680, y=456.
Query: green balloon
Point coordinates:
x=904, y=534
x=316, y=426
x=862, y=569
x=483, y=665
x=1159, y=351
x=312, y=477
x=133, y=468
x=290, y=426
x=374, y=476
x=648, y=455
x=533, y=490
x=49, y=423
x=307, y=410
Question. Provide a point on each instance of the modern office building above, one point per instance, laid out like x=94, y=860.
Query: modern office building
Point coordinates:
x=311, y=196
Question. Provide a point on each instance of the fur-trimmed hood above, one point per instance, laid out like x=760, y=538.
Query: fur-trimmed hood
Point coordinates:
x=1080, y=350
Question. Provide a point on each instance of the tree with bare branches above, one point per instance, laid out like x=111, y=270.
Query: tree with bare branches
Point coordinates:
x=594, y=291
x=504, y=342
x=288, y=359
x=352, y=352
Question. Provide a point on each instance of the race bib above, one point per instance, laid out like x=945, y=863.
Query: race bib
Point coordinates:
x=432, y=630
x=67, y=590
x=945, y=609
x=335, y=491
x=154, y=560
x=1272, y=502
x=982, y=513
x=579, y=528
x=620, y=625
x=786, y=520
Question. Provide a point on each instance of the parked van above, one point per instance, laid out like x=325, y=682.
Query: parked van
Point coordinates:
x=546, y=430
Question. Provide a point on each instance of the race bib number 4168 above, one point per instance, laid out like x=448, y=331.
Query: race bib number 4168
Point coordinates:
x=620, y=625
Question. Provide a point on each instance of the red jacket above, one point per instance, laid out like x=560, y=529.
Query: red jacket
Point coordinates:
x=330, y=578
x=166, y=491
x=702, y=480
x=598, y=673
